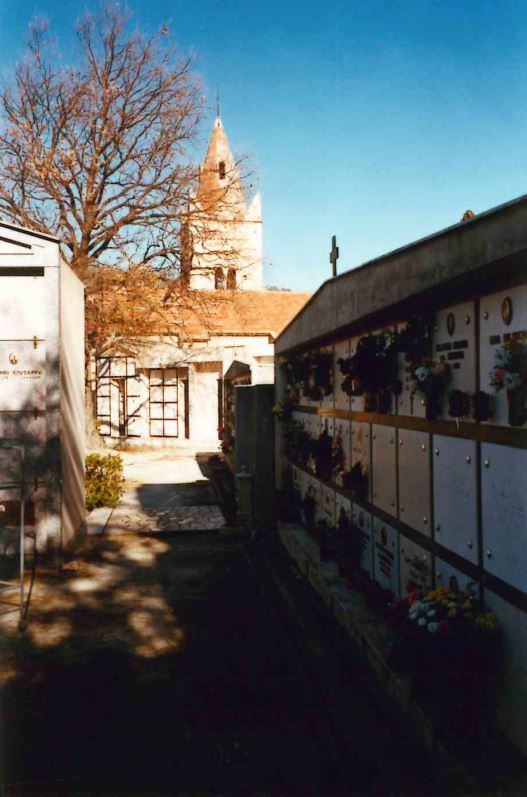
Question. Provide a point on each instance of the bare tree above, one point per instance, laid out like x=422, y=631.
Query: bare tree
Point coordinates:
x=99, y=154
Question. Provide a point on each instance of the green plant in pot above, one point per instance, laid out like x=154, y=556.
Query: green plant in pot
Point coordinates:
x=104, y=480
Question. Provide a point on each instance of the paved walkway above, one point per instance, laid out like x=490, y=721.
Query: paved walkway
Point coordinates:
x=165, y=491
x=166, y=665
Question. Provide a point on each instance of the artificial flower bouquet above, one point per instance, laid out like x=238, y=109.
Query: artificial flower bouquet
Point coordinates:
x=431, y=380
x=449, y=640
x=510, y=373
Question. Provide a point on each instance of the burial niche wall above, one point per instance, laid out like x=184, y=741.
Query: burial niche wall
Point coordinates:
x=430, y=463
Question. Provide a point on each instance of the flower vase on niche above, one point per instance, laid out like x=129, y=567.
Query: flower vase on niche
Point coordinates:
x=509, y=372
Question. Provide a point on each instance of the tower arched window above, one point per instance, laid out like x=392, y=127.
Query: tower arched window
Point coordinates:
x=231, y=279
x=219, y=279
x=221, y=170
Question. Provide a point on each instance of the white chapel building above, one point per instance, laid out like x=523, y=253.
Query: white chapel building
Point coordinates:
x=173, y=387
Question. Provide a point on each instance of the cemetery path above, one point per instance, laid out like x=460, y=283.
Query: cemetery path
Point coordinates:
x=170, y=665
x=165, y=492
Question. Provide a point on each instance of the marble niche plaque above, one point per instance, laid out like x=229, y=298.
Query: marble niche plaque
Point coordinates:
x=455, y=500
x=299, y=417
x=414, y=479
x=455, y=344
x=364, y=521
x=343, y=429
x=328, y=423
x=383, y=467
x=327, y=498
x=503, y=317
x=415, y=565
x=342, y=351
x=342, y=504
x=360, y=449
x=315, y=489
x=504, y=512
x=386, y=555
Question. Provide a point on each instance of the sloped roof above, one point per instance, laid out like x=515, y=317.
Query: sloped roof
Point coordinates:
x=212, y=313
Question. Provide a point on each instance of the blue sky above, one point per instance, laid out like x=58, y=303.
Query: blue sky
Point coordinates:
x=380, y=121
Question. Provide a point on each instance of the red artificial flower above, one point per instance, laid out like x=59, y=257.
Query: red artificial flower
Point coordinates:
x=415, y=595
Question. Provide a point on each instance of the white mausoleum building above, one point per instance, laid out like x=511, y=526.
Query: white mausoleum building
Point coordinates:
x=41, y=392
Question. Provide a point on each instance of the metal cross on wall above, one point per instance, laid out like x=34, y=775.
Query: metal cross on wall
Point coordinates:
x=334, y=254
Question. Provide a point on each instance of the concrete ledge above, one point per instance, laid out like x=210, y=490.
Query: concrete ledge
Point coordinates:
x=366, y=629
x=97, y=520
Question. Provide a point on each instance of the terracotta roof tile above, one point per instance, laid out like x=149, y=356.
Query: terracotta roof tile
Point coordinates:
x=238, y=312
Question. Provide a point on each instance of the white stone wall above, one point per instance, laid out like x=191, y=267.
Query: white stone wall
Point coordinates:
x=200, y=365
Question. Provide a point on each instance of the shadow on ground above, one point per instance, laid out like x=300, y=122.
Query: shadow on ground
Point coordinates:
x=155, y=668
x=152, y=670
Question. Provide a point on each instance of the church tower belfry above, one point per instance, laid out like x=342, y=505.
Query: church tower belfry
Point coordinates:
x=225, y=231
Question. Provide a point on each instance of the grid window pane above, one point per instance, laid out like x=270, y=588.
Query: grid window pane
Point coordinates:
x=156, y=428
x=118, y=366
x=171, y=412
x=103, y=367
x=156, y=376
x=104, y=427
x=103, y=405
x=156, y=411
x=170, y=393
x=170, y=428
x=171, y=376
x=156, y=394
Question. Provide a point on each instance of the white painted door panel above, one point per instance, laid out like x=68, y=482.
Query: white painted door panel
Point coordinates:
x=360, y=449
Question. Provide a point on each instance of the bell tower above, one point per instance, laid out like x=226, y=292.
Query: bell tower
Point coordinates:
x=223, y=241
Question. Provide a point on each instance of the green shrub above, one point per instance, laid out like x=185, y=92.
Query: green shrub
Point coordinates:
x=104, y=480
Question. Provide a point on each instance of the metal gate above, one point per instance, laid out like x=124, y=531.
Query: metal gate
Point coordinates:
x=118, y=397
